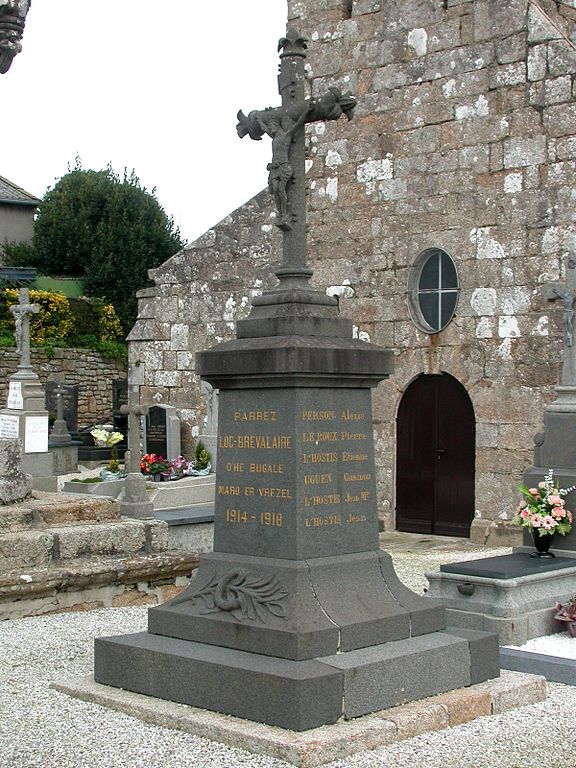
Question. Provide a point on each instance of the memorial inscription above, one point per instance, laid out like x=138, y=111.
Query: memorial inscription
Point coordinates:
x=258, y=498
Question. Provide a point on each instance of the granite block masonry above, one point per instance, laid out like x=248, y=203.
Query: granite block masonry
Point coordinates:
x=296, y=619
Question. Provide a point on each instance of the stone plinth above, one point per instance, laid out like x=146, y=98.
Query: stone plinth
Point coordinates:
x=296, y=619
x=513, y=595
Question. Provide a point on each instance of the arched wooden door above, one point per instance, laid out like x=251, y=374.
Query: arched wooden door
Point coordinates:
x=435, y=464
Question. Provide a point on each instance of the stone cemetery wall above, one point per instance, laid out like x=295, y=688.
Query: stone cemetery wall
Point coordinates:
x=463, y=140
x=84, y=367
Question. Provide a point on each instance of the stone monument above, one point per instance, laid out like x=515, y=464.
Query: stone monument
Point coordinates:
x=15, y=485
x=12, y=19
x=25, y=416
x=133, y=499
x=296, y=619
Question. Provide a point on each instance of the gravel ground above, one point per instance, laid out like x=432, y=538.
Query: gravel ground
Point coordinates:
x=41, y=728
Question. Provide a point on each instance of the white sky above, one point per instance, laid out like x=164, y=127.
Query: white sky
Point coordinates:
x=152, y=85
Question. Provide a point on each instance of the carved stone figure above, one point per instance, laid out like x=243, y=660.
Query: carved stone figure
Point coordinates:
x=282, y=124
x=12, y=20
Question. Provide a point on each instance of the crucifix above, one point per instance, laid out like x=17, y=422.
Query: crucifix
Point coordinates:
x=22, y=312
x=285, y=126
x=567, y=292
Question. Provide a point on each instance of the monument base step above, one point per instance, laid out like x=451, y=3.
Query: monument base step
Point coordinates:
x=298, y=695
x=492, y=595
x=327, y=743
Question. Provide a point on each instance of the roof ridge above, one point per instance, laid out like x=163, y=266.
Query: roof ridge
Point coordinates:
x=10, y=192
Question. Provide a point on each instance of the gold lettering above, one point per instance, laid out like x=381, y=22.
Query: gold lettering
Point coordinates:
x=317, y=415
x=255, y=415
x=228, y=490
x=275, y=469
x=351, y=498
x=226, y=441
x=274, y=442
x=318, y=522
x=317, y=479
x=234, y=466
x=352, y=478
x=318, y=501
x=354, y=456
x=356, y=518
x=275, y=493
x=352, y=415
x=318, y=458
x=353, y=436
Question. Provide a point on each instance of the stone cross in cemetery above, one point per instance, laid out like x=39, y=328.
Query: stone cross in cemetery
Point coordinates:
x=566, y=292
x=134, y=501
x=60, y=434
x=22, y=312
x=285, y=125
x=296, y=618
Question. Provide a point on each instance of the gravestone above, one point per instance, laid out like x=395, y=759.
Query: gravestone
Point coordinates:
x=296, y=619
x=70, y=400
x=162, y=431
x=120, y=420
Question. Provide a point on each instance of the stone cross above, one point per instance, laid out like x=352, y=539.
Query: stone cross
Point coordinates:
x=567, y=292
x=22, y=312
x=134, y=413
x=60, y=432
x=285, y=126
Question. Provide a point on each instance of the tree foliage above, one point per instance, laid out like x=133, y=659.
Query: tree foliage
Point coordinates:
x=107, y=230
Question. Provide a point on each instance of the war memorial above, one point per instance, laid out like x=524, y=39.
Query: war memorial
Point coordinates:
x=296, y=618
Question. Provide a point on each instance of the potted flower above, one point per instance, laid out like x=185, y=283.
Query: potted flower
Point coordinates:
x=178, y=467
x=154, y=465
x=544, y=513
x=105, y=437
x=201, y=464
x=567, y=613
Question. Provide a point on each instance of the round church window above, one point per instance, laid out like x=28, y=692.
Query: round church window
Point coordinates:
x=433, y=290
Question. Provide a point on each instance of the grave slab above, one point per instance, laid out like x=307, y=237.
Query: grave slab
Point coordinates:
x=513, y=595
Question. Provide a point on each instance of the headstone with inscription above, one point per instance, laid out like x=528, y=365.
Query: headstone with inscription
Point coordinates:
x=162, y=431
x=296, y=619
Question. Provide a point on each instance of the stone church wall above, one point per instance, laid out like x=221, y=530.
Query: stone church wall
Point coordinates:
x=463, y=140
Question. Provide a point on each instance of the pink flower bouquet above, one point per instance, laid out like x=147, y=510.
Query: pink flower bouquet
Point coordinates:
x=544, y=509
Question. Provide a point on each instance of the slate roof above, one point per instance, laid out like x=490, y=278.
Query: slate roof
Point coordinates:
x=12, y=194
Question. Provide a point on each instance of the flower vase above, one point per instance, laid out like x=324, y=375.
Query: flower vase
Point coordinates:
x=157, y=477
x=542, y=544
x=572, y=628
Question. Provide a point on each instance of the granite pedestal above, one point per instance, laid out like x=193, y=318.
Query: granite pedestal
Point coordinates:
x=513, y=595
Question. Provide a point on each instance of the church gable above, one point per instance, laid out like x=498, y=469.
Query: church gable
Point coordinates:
x=462, y=143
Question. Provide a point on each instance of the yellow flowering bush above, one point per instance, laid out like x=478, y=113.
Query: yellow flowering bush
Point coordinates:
x=54, y=322
x=109, y=328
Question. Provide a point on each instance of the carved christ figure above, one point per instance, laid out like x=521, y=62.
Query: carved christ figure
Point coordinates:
x=281, y=124
x=20, y=311
x=568, y=315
